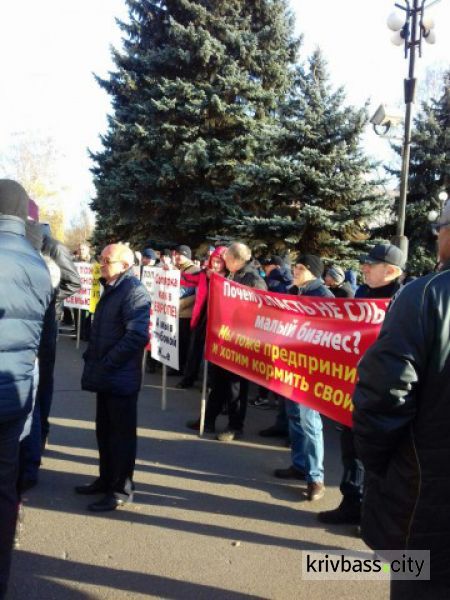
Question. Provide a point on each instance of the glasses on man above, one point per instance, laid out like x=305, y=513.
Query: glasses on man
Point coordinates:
x=105, y=260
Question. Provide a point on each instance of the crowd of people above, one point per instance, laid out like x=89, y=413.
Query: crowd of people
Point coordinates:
x=394, y=457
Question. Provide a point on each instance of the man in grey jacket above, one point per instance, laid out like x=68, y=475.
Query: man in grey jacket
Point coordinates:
x=25, y=293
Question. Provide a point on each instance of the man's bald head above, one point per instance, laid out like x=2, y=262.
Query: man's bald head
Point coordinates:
x=115, y=259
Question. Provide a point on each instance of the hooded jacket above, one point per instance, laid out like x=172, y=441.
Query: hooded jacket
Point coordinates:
x=25, y=294
x=401, y=424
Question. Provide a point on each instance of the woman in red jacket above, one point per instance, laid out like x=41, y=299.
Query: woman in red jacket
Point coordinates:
x=215, y=264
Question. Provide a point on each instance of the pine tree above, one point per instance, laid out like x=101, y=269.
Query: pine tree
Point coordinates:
x=192, y=92
x=318, y=193
x=428, y=176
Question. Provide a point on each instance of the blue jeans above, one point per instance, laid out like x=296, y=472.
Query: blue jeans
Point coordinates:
x=305, y=432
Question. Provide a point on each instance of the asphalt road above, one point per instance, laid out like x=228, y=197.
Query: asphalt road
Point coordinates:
x=209, y=520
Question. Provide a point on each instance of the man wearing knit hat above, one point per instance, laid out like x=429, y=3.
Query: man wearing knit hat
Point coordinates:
x=25, y=293
x=305, y=424
x=335, y=280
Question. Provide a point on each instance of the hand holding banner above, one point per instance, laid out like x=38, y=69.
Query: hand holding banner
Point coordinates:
x=303, y=348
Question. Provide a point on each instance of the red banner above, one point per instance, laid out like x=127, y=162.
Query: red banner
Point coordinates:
x=304, y=348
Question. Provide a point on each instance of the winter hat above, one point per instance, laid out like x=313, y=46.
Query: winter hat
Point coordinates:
x=13, y=199
x=336, y=273
x=184, y=250
x=312, y=262
x=384, y=253
x=149, y=253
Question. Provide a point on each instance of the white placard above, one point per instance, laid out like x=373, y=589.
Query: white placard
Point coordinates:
x=82, y=298
x=164, y=316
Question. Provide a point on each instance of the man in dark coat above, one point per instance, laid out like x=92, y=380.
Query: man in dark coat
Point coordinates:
x=229, y=389
x=381, y=269
x=25, y=292
x=69, y=283
x=278, y=274
x=113, y=369
x=401, y=427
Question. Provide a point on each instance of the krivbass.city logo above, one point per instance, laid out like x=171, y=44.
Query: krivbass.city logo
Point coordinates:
x=365, y=566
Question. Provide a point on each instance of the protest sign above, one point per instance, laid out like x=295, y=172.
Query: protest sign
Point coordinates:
x=82, y=298
x=304, y=348
x=97, y=288
x=164, y=315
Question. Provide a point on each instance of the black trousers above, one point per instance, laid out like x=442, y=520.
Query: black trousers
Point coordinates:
x=9, y=470
x=228, y=389
x=116, y=423
x=184, y=338
x=352, y=482
x=196, y=350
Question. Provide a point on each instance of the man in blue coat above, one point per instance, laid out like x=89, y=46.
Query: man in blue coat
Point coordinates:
x=25, y=293
x=113, y=369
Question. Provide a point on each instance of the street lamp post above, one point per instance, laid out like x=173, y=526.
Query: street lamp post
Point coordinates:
x=410, y=29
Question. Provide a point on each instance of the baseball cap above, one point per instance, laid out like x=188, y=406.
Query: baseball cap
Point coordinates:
x=384, y=253
x=149, y=253
x=184, y=250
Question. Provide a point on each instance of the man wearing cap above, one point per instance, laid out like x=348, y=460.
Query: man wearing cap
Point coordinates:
x=305, y=424
x=278, y=275
x=188, y=283
x=335, y=280
x=381, y=269
x=148, y=257
x=113, y=369
x=401, y=427
x=25, y=294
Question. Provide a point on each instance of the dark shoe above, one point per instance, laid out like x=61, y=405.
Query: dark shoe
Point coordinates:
x=272, y=432
x=347, y=513
x=108, y=503
x=184, y=384
x=90, y=489
x=315, y=491
x=27, y=484
x=195, y=426
x=229, y=435
x=289, y=473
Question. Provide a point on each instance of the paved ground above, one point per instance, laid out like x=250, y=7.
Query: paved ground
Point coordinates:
x=209, y=521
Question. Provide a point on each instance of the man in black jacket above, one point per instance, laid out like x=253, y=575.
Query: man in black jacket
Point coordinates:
x=69, y=283
x=25, y=292
x=401, y=427
x=381, y=270
x=113, y=369
x=228, y=388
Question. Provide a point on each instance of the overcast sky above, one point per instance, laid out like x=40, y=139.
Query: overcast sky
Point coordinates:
x=50, y=48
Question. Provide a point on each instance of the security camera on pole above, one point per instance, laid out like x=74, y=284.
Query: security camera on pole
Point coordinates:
x=410, y=28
